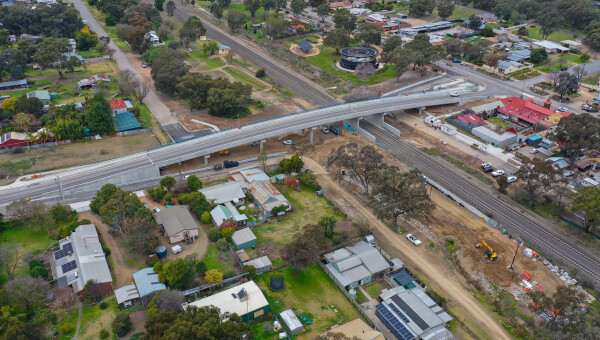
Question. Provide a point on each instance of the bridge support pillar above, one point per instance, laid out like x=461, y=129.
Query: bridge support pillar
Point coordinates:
x=355, y=123
x=312, y=135
x=206, y=158
x=378, y=119
x=303, y=132
x=421, y=109
x=262, y=141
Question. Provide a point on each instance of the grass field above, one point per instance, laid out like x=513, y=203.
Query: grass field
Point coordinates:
x=460, y=13
x=536, y=33
x=69, y=319
x=327, y=57
x=95, y=319
x=309, y=293
x=375, y=288
x=243, y=77
x=216, y=259
x=74, y=154
x=307, y=208
x=27, y=239
x=498, y=122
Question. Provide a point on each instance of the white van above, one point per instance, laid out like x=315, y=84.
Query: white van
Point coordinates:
x=177, y=249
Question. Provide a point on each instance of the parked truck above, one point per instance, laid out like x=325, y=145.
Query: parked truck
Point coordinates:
x=336, y=129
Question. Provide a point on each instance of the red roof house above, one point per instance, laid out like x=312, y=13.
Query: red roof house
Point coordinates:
x=13, y=140
x=524, y=109
x=340, y=4
x=472, y=119
x=119, y=106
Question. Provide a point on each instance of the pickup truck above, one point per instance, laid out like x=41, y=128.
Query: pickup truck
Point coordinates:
x=229, y=164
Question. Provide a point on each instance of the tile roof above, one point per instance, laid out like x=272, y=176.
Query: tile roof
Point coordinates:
x=472, y=119
x=524, y=109
x=116, y=104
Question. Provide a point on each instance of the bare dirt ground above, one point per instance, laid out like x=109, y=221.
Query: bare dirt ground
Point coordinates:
x=118, y=254
x=138, y=320
x=422, y=260
x=68, y=155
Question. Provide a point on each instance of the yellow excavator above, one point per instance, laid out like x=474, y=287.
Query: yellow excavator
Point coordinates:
x=490, y=253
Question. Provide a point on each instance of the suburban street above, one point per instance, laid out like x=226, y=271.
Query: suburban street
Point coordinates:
x=158, y=108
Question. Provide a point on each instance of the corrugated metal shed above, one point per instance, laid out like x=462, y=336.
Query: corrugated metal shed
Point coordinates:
x=292, y=322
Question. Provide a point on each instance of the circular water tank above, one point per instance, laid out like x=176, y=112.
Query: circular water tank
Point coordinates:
x=352, y=293
x=161, y=251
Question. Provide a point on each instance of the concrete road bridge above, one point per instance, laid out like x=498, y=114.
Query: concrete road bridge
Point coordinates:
x=141, y=167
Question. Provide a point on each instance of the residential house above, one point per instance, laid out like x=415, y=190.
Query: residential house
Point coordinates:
x=227, y=215
x=467, y=122
x=224, y=192
x=355, y=265
x=377, y=19
x=120, y=106
x=359, y=12
x=500, y=33
x=245, y=300
x=92, y=82
x=267, y=197
x=152, y=37
x=80, y=259
x=411, y=314
x=177, y=223
x=127, y=295
x=355, y=329
x=509, y=66
x=147, y=284
x=467, y=23
x=488, y=108
x=558, y=163
x=42, y=95
x=29, y=36
x=262, y=264
x=436, y=39
x=13, y=140
x=574, y=45
x=555, y=118
x=246, y=176
x=519, y=56
x=244, y=239
x=487, y=17
x=15, y=84
x=525, y=110
x=340, y=4
x=70, y=55
x=73, y=44
x=549, y=46
x=125, y=121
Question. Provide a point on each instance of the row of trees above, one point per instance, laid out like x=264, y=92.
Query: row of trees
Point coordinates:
x=59, y=20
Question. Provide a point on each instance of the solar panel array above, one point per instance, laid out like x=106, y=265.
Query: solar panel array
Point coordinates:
x=397, y=311
x=69, y=266
x=67, y=247
x=399, y=330
x=411, y=313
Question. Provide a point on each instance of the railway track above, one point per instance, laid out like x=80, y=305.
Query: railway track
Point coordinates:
x=280, y=74
x=510, y=215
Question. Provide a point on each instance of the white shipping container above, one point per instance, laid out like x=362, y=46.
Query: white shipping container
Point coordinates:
x=449, y=129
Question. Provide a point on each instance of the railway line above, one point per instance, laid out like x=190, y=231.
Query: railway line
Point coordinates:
x=508, y=214
x=280, y=74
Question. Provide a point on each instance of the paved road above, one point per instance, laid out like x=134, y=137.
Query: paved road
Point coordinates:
x=158, y=108
x=481, y=197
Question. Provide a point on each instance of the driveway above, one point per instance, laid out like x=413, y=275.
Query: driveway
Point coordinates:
x=158, y=108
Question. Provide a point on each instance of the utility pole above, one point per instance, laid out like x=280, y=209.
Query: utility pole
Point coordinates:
x=62, y=196
x=511, y=267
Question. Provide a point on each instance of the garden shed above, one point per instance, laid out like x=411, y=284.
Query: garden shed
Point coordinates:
x=244, y=239
x=292, y=322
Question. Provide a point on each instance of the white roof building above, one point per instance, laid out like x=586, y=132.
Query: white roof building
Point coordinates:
x=224, y=192
x=549, y=46
x=127, y=293
x=245, y=300
x=292, y=322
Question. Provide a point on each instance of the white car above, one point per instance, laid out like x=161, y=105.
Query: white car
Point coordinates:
x=485, y=165
x=511, y=179
x=84, y=22
x=453, y=94
x=325, y=130
x=568, y=173
x=157, y=209
x=498, y=173
x=563, y=109
x=289, y=142
x=186, y=176
x=412, y=238
x=534, y=151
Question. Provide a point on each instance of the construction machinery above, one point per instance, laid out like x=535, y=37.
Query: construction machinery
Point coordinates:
x=490, y=254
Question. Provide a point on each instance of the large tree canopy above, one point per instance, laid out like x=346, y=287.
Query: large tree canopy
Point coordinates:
x=360, y=163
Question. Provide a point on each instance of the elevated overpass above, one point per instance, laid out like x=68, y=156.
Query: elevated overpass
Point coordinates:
x=141, y=167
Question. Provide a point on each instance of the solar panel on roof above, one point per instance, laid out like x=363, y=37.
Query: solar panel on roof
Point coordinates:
x=402, y=316
x=411, y=313
x=67, y=247
x=398, y=329
x=69, y=266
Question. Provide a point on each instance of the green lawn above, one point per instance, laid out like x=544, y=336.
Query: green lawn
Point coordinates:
x=535, y=33
x=307, y=208
x=27, y=239
x=146, y=117
x=311, y=294
x=375, y=288
x=244, y=77
x=360, y=297
x=327, y=57
x=215, y=259
x=95, y=319
x=69, y=319
x=460, y=13
x=92, y=52
x=498, y=122
x=573, y=58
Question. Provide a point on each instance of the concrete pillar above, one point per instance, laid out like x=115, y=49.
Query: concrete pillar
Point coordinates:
x=312, y=132
x=206, y=158
x=262, y=141
x=303, y=132
x=421, y=110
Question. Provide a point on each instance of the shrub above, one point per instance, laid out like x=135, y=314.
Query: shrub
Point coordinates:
x=104, y=334
x=168, y=198
x=106, y=250
x=40, y=271
x=35, y=263
x=103, y=305
x=151, y=261
x=200, y=267
x=66, y=328
x=85, y=221
x=136, y=111
x=229, y=274
x=110, y=20
x=310, y=181
x=121, y=325
x=260, y=73
x=60, y=213
x=213, y=276
x=174, y=44
x=206, y=218
x=92, y=2
x=222, y=245
x=214, y=234
x=251, y=270
x=227, y=232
